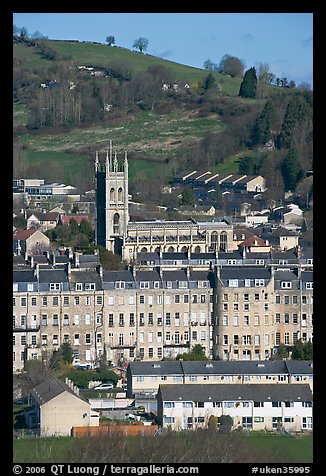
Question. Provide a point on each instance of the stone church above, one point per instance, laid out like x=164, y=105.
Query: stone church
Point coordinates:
x=117, y=233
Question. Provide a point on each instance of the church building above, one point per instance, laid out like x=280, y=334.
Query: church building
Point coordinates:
x=118, y=234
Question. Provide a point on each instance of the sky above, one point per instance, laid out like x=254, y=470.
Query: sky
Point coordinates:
x=284, y=41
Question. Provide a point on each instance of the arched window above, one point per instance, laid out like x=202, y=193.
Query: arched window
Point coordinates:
x=170, y=249
x=223, y=241
x=120, y=195
x=214, y=241
x=144, y=250
x=158, y=249
x=197, y=249
x=116, y=224
x=184, y=249
x=112, y=198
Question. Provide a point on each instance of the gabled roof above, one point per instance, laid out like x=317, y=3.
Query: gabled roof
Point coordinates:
x=233, y=367
x=47, y=216
x=221, y=392
x=51, y=388
x=253, y=240
x=299, y=366
x=156, y=368
x=23, y=234
x=66, y=218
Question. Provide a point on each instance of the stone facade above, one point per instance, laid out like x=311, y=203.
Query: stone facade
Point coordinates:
x=148, y=313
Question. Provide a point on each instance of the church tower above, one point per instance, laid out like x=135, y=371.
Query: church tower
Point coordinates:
x=112, y=215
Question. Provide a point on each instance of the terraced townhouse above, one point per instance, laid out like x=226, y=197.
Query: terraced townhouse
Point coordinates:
x=148, y=312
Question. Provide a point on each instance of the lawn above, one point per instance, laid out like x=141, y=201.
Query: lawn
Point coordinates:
x=271, y=447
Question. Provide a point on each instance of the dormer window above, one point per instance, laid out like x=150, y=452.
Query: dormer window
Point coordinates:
x=259, y=282
x=90, y=287
x=182, y=284
x=233, y=283
x=156, y=284
x=79, y=286
x=286, y=285
x=54, y=287
x=144, y=284
x=309, y=286
x=120, y=285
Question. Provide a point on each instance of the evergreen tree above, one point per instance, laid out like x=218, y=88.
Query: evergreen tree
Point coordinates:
x=298, y=351
x=308, y=350
x=209, y=82
x=248, y=86
x=291, y=170
x=281, y=353
x=188, y=197
x=262, y=128
x=297, y=118
x=196, y=353
x=247, y=165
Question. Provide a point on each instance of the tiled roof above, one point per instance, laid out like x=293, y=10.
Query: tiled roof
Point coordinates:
x=22, y=234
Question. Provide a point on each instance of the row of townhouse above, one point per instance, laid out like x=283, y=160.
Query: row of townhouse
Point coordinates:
x=234, y=312
x=144, y=378
x=251, y=407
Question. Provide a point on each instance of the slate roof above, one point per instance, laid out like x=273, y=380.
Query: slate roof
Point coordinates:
x=242, y=272
x=203, y=256
x=285, y=275
x=200, y=276
x=113, y=276
x=146, y=256
x=18, y=260
x=51, y=388
x=174, y=276
x=24, y=276
x=53, y=276
x=299, y=366
x=156, y=368
x=147, y=276
x=307, y=276
x=234, y=367
x=86, y=277
x=222, y=392
x=175, y=256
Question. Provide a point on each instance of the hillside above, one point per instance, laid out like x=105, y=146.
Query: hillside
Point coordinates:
x=102, y=56
x=71, y=98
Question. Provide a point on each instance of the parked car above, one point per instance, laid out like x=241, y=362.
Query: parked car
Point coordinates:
x=104, y=386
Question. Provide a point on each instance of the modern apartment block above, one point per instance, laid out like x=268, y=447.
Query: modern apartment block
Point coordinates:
x=150, y=313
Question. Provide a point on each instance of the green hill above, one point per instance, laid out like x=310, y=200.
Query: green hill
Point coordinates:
x=57, y=129
x=103, y=56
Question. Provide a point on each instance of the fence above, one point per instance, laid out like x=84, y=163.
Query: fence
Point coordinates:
x=124, y=430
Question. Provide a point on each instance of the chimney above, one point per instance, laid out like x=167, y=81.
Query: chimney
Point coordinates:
x=76, y=259
x=37, y=270
x=69, y=270
x=100, y=271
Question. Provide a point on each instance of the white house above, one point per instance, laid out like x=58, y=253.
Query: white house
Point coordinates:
x=251, y=406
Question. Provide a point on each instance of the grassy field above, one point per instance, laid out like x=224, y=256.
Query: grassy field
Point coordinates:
x=269, y=447
x=146, y=133
x=101, y=55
